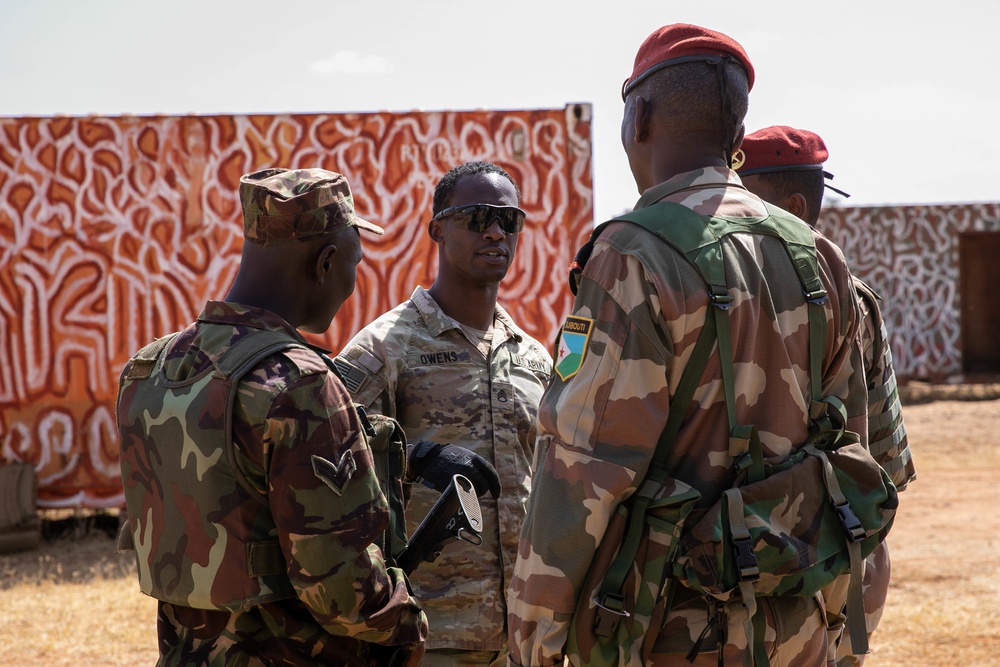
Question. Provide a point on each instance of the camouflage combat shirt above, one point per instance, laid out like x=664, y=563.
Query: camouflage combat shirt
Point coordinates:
x=415, y=364
x=290, y=410
x=642, y=307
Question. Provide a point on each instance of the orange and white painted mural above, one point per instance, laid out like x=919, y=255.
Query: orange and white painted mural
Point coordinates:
x=116, y=230
x=910, y=256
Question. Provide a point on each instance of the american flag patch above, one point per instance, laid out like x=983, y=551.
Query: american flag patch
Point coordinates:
x=353, y=377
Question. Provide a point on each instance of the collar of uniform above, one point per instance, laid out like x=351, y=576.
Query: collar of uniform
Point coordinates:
x=437, y=322
x=236, y=314
x=502, y=317
x=706, y=177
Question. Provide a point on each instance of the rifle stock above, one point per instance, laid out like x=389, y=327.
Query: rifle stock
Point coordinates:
x=455, y=515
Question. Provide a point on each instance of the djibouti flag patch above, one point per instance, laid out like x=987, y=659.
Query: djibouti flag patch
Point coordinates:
x=573, y=339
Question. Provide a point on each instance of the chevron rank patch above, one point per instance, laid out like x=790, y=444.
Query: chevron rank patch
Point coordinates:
x=336, y=476
x=573, y=339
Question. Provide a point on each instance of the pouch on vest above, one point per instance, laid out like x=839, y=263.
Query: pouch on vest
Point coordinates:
x=792, y=531
x=387, y=442
x=620, y=611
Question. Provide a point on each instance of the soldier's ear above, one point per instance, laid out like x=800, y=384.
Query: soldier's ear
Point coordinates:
x=324, y=263
x=434, y=231
x=643, y=118
x=796, y=205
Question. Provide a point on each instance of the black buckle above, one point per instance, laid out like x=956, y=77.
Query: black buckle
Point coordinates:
x=746, y=561
x=722, y=301
x=610, y=610
x=852, y=524
x=818, y=297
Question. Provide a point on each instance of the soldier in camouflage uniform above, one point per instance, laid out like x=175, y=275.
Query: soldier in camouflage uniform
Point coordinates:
x=638, y=313
x=254, y=508
x=452, y=366
x=784, y=165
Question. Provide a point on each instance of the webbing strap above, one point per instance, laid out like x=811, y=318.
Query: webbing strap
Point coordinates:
x=609, y=598
x=884, y=391
x=893, y=466
x=746, y=566
x=252, y=347
x=721, y=315
x=697, y=238
x=854, y=534
x=856, y=626
x=264, y=557
x=817, y=335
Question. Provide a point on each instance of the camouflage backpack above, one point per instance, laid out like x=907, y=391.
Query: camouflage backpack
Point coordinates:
x=741, y=547
x=162, y=562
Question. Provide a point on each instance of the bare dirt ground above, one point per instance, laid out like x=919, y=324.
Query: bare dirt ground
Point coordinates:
x=945, y=543
x=74, y=601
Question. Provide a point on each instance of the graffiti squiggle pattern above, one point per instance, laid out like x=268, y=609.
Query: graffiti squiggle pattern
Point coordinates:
x=909, y=254
x=115, y=230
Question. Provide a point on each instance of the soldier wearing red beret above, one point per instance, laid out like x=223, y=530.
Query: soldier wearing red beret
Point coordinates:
x=784, y=165
x=639, y=312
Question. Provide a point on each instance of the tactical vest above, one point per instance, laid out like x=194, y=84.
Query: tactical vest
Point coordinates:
x=203, y=536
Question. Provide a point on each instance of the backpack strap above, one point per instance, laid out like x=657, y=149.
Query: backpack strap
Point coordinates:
x=231, y=366
x=610, y=601
x=697, y=238
x=252, y=348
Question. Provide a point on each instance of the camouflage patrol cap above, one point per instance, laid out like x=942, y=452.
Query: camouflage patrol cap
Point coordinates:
x=682, y=43
x=782, y=148
x=281, y=205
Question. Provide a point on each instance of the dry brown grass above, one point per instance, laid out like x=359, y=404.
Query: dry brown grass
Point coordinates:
x=75, y=601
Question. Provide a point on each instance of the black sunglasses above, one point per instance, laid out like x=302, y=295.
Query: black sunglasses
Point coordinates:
x=478, y=217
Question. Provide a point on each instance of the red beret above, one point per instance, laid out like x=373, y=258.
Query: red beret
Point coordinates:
x=782, y=148
x=681, y=43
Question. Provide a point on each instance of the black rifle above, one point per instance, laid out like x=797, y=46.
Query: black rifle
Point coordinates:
x=455, y=515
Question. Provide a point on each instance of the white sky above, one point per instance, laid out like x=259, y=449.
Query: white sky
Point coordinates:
x=906, y=94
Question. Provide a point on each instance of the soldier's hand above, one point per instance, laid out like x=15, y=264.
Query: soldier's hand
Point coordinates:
x=436, y=464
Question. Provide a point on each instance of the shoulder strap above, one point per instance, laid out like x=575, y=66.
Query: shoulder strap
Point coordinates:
x=250, y=349
x=231, y=366
x=611, y=602
x=697, y=238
